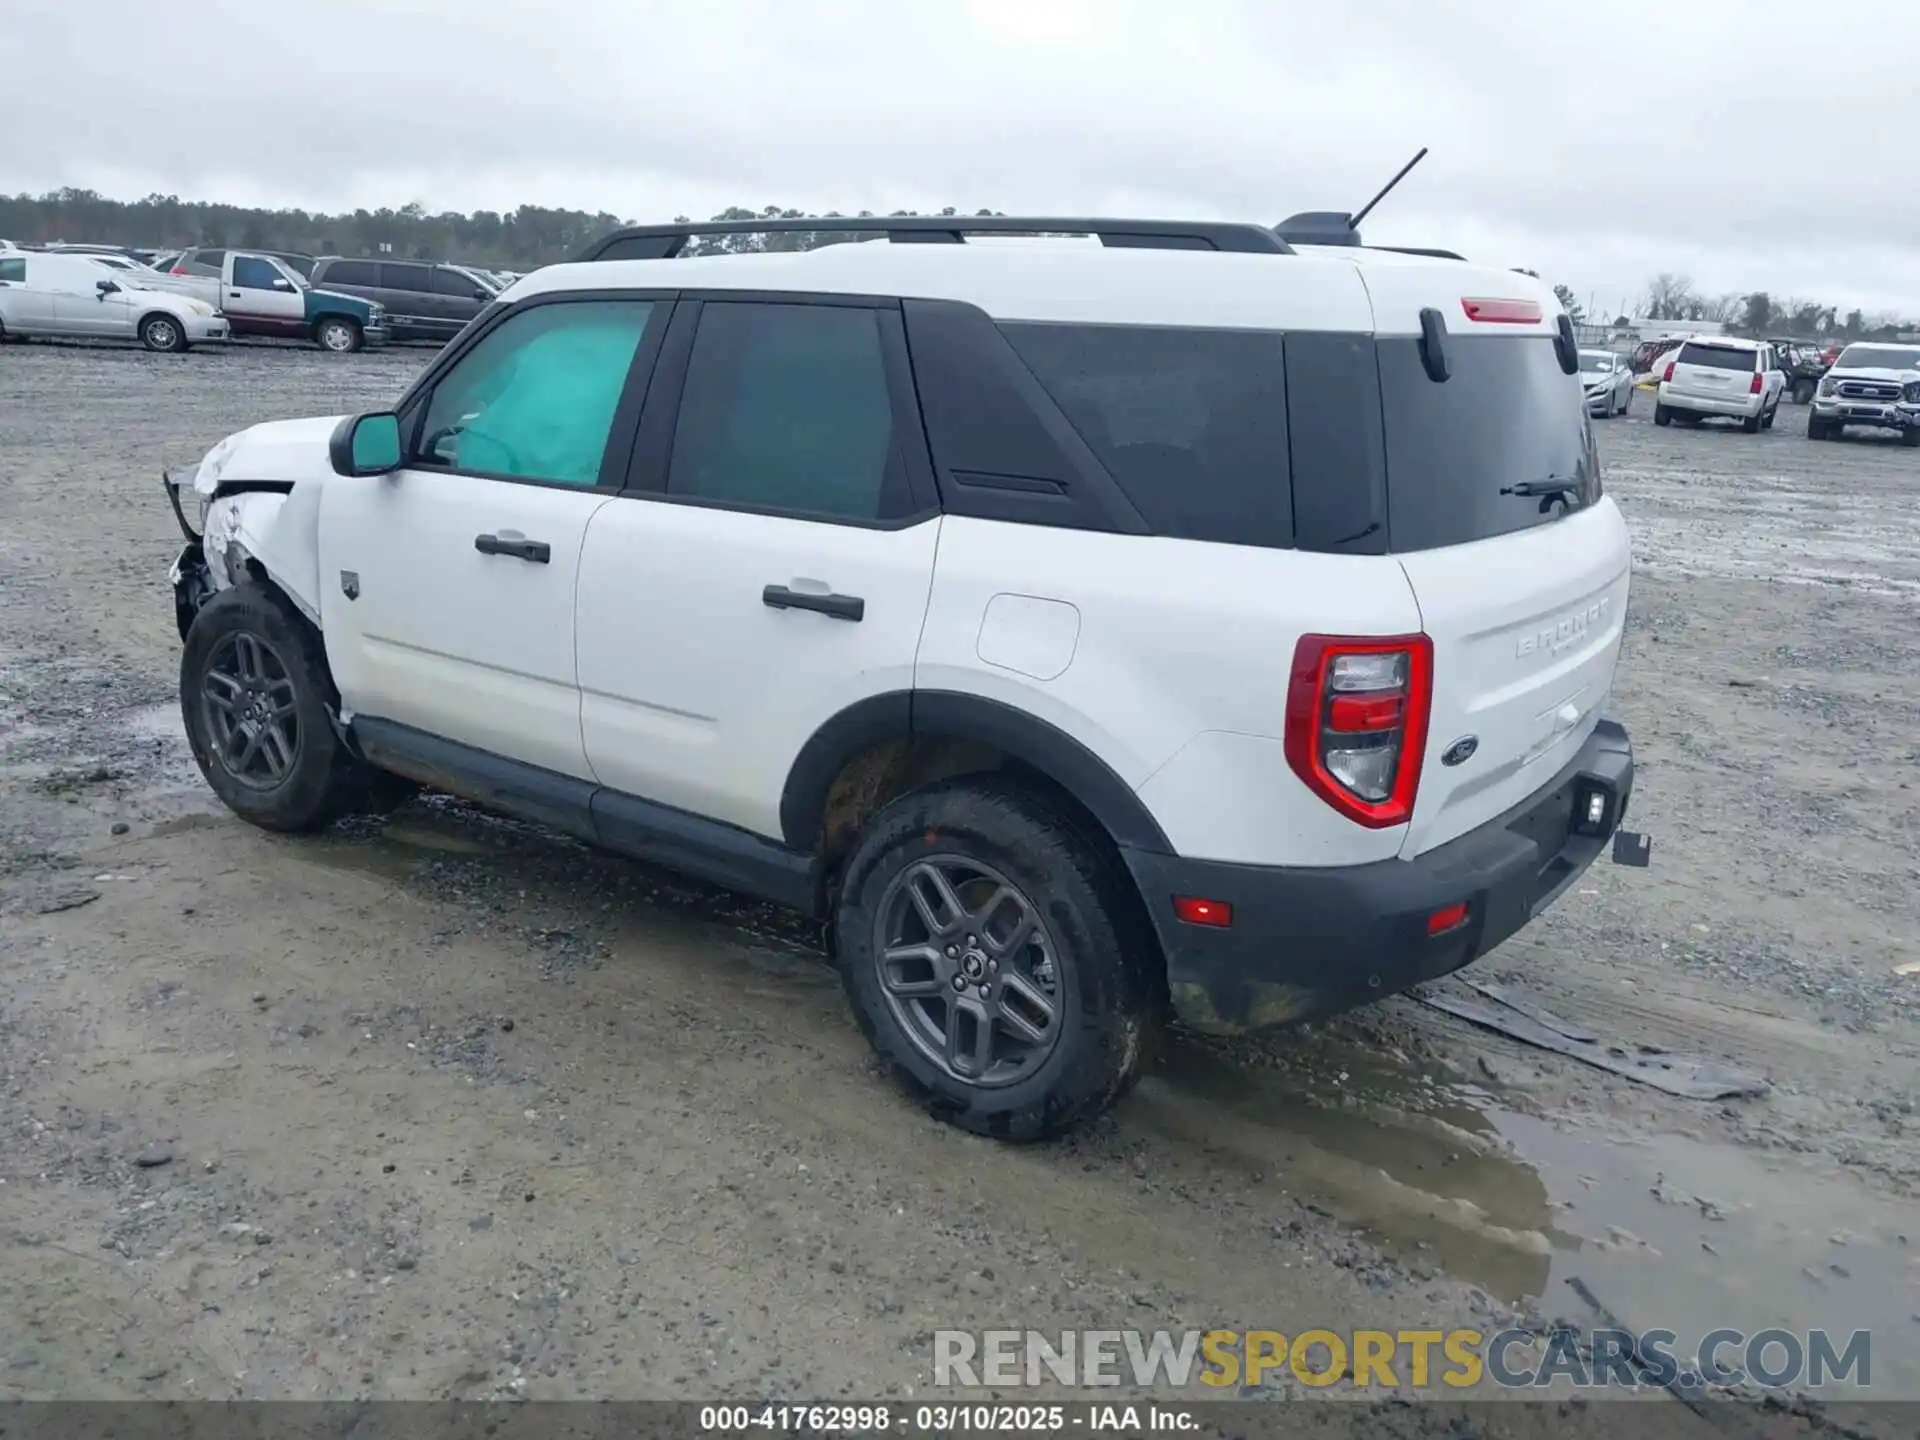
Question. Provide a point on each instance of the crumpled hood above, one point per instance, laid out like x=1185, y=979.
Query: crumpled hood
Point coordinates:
x=288, y=450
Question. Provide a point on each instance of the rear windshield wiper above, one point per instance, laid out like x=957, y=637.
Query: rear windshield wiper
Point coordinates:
x=1551, y=486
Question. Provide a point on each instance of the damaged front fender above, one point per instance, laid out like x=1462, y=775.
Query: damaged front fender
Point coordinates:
x=249, y=529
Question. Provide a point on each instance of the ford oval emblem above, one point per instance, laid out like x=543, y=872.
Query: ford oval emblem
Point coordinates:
x=1460, y=751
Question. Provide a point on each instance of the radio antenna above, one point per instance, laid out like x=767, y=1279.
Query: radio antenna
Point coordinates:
x=1353, y=221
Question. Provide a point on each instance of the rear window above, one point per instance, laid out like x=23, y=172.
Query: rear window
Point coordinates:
x=1508, y=416
x=1717, y=357
x=1192, y=424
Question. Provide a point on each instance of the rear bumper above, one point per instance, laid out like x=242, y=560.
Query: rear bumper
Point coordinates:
x=1738, y=407
x=1306, y=942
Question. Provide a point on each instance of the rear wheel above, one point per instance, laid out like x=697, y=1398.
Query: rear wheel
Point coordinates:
x=338, y=334
x=1662, y=415
x=1766, y=421
x=995, y=956
x=254, y=696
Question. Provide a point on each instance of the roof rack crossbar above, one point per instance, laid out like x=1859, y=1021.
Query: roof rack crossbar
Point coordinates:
x=664, y=242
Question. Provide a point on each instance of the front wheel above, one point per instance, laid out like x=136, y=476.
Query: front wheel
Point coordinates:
x=995, y=956
x=254, y=696
x=1910, y=438
x=340, y=335
x=163, y=333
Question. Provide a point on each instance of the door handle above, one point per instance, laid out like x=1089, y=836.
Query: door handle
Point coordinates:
x=537, y=551
x=840, y=607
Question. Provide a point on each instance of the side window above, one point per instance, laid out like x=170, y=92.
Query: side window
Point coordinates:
x=1191, y=423
x=404, y=277
x=206, y=261
x=351, y=272
x=14, y=271
x=535, y=398
x=251, y=272
x=786, y=407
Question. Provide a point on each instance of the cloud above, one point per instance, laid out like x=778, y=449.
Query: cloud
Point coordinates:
x=1592, y=142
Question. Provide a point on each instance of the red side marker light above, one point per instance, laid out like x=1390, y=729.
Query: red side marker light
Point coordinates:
x=1195, y=911
x=1502, y=312
x=1447, y=917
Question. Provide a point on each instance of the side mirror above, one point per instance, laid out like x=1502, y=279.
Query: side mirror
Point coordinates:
x=105, y=287
x=366, y=444
x=283, y=283
x=482, y=296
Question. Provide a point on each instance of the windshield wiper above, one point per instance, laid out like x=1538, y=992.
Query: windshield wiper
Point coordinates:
x=1551, y=486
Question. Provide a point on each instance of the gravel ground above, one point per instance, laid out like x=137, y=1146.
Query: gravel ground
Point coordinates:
x=446, y=1106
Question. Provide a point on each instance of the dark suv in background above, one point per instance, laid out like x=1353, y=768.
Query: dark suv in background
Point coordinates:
x=424, y=301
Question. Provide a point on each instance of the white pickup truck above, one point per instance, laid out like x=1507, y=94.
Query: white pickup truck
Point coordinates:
x=262, y=296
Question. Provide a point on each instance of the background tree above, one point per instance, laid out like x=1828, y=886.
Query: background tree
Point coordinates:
x=1669, y=297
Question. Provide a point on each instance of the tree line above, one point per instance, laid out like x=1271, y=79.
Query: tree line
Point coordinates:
x=520, y=239
x=1757, y=312
x=534, y=235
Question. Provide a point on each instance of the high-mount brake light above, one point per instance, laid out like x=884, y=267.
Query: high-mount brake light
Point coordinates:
x=1503, y=312
x=1356, y=733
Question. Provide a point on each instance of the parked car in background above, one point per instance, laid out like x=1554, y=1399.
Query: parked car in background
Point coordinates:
x=264, y=296
x=1651, y=354
x=1803, y=366
x=1872, y=385
x=1608, y=379
x=210, y=263
x=1724, y=377
x=424, y=301
x=76, y=297
x=121, y=262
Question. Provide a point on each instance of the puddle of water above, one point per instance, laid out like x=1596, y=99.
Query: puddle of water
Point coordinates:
x=1668, y=1231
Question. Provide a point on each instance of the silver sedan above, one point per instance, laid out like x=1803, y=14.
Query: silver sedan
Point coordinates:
x=1608, y=380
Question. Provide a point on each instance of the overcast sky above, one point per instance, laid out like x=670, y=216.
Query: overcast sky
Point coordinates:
x=1597, y=142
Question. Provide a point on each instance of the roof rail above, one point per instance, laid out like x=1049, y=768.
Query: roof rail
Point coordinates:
x=1431, y=254
x=663, y=242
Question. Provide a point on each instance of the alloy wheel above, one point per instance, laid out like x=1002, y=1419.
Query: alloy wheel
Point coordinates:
x=969, y=970
x=250, y=707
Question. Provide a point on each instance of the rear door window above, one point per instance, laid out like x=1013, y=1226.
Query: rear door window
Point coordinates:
x=1507, y=418
x=352, y=272
x=1717, y=357
x=1191, y=423
x=787, y=408
x=453, y=282
x=13, y=271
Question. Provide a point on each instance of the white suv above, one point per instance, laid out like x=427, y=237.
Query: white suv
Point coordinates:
x=1725, y=377
x=1190, y=620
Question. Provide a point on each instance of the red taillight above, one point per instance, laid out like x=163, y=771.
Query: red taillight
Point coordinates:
x=1447, y=917
x=1669, y=375
x=1195, y=911
x=1754, y=389
x=1357, y=722
x=1502, y=312
x=177, y=270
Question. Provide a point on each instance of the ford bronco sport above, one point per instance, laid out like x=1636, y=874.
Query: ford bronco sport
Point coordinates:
x=1213, y=618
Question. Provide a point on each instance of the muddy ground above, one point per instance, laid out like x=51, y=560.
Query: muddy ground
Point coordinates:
x=447, y=1106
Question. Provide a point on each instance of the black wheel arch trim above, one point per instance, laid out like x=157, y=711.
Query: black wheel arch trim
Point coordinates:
x=1033, y=742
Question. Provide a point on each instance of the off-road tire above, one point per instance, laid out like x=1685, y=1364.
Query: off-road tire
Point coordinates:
x=330, y=326
x=1110, y=978
x=1662, y=415
x=163, y=333
x=1803, y=392
x=325, y=780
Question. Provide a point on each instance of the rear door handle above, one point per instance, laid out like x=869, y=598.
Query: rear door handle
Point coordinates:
x=840, y=607
x=537, y=551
